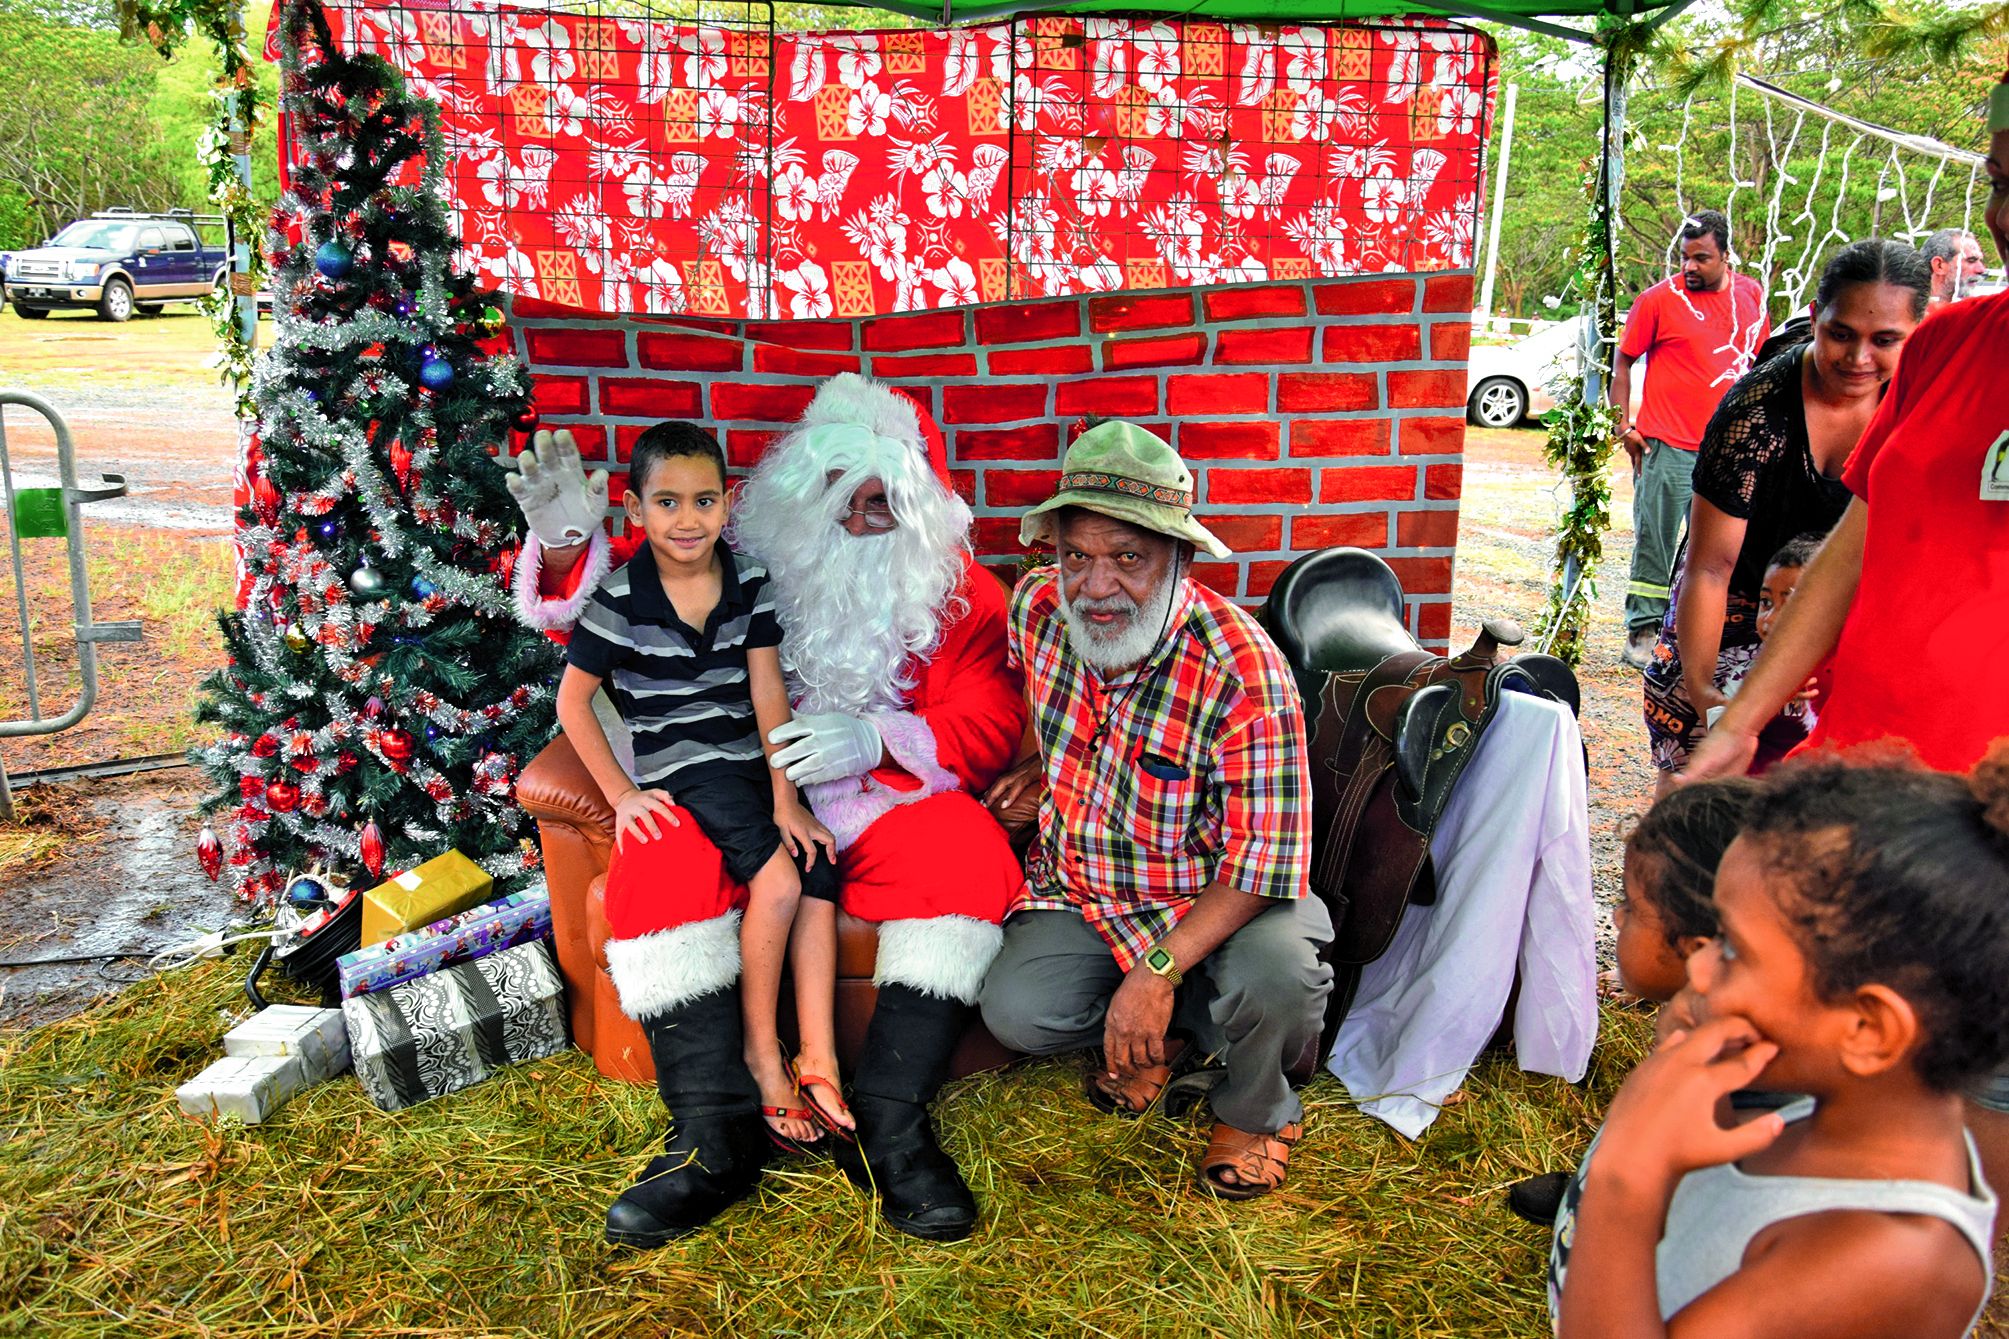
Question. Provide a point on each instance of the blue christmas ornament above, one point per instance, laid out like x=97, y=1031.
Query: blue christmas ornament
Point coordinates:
x=334, y=259
x=305, y=892
x=436, y=373
x=423, y=589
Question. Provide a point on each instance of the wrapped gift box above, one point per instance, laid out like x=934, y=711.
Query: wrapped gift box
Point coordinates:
x=474, y=933
x=246, y=1087
x=440, y=887
x=452, y=1029
x=317, y=1037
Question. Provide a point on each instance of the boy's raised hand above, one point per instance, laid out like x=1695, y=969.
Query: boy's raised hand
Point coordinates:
x=1662, y=1125
x=639, y=809
x=803, y=831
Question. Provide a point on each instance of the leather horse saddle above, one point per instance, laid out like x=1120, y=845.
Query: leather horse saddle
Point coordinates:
x=1390, y=727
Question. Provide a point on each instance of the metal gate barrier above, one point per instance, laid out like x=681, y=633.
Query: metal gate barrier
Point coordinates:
x=54, y=513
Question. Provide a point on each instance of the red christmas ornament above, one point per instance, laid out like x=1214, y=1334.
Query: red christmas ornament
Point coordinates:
x=346, y=762
x=307, y=763
x=397, y=745
x=250, y=787
x=371, y=846
x=282, y=796
x=210, y=852
x=265, y=500
x=264, y=746
x=401, y=464
x=525, y=420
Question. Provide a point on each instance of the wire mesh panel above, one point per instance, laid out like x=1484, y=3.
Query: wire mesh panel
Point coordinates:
x=614, y=160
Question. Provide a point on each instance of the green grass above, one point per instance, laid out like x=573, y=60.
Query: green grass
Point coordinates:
x=480, y=1213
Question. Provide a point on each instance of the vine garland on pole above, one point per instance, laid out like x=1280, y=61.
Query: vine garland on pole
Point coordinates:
x=1583, y=426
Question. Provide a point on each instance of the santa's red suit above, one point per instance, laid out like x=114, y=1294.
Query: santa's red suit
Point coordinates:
x=898, y=628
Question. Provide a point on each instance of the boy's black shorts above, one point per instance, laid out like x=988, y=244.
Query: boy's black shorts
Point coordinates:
x=735, y=810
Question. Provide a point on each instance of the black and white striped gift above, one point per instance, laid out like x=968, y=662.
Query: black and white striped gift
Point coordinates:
x=452, y=1029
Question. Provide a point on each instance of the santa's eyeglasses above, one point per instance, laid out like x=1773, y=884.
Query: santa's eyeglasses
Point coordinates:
x=876, y=515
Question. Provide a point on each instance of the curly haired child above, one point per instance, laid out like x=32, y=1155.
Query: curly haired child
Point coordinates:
x=1863, y=962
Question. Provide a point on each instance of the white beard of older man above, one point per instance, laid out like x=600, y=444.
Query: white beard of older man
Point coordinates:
x=905, y=706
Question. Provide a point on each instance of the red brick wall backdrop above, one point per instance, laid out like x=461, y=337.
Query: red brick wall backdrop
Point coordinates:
x=1312, y=413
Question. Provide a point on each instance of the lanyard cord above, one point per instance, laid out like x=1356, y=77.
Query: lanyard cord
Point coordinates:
x=1137, y=681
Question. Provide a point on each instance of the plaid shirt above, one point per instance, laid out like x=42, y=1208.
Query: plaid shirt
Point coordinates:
x=1186, y=772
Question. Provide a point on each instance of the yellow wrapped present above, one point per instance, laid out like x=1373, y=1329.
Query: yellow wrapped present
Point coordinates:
x=442, y=886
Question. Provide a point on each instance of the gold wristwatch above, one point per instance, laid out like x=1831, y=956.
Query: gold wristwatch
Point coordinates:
x=1163, y=964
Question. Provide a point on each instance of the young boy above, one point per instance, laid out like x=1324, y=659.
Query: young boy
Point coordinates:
x=686, y=637
x=1795, y=720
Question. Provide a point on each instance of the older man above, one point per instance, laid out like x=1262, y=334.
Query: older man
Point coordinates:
x=1167, y=880
x=1957, y=264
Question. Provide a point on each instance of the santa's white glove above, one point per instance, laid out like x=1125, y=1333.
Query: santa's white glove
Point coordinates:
x=561, y=503
x=825, y=747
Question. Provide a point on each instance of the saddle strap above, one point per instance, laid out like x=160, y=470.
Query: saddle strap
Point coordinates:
x=1365, y=750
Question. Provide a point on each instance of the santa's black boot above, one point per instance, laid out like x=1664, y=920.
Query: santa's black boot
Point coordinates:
x=905, y=1061
x=717, y=1143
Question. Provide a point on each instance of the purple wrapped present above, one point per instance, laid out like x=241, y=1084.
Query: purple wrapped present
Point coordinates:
x=463, y=937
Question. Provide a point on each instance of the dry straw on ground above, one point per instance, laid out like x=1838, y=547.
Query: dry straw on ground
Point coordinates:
x=480, y=1213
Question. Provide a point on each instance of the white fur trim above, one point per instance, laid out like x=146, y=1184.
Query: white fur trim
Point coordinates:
x=655, y=973
x=850, y=398
x=942, y=956
x=910, y=742
x=548, y=614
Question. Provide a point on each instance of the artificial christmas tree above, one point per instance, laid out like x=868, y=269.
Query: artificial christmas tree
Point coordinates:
x=380, y=695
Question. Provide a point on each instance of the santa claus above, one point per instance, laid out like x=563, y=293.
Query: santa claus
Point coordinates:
x=905, y=710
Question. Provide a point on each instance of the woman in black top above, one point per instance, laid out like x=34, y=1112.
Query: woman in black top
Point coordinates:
x=1769, y=470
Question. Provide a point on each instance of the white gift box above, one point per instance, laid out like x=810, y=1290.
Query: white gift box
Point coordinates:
x=246, y=1087
x=318, y=1037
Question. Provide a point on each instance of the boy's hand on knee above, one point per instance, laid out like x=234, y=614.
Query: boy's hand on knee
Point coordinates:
x=643, y=811
x=801, y=832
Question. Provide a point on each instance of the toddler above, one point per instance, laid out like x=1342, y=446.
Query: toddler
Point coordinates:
x=1670, y=868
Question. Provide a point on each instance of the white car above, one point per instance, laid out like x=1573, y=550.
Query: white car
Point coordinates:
x=1505, y=383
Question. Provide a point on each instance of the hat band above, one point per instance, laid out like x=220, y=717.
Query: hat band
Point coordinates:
x=1098, y=482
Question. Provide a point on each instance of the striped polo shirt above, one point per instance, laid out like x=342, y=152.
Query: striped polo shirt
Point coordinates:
x=682, y=692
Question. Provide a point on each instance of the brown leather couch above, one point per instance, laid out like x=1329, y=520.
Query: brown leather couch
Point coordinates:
x=577, y=828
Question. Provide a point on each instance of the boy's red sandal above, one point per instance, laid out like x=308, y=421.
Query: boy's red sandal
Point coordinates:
x=816, y=1111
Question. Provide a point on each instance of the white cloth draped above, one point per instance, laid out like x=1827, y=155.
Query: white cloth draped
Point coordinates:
x=1512, y=853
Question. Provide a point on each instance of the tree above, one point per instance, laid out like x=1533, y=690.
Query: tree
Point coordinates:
x=70, y=100
x=380, y=695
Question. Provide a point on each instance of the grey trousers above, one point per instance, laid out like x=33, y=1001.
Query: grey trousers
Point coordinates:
x=1659, y=511
x=1260, y=997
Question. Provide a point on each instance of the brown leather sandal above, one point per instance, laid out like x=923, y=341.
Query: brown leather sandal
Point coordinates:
x=1258, y=1161
x=1125, y=1097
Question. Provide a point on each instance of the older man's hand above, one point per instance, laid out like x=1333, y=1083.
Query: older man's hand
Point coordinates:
x=1133, y=1031
x=1014, y=797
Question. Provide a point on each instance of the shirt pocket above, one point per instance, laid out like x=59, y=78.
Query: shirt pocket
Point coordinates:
x=1163, y=801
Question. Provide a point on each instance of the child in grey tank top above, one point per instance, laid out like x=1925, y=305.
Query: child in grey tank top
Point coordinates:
x=1864, y=962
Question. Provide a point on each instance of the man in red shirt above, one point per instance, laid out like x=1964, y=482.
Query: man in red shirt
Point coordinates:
x=1699, y=331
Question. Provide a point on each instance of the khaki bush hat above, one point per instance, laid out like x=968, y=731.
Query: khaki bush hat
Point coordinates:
x=1121, y=471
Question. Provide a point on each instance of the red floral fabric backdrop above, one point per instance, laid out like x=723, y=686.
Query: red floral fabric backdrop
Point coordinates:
x=623, y=165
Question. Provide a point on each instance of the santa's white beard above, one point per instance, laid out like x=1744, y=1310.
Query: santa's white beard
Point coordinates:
x=1116, y=647
x=855, y=610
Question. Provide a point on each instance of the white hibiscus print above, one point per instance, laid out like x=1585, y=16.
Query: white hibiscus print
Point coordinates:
x=1157, y=48
x=704, y=56
x=1095, y=189
x=957, y=281
x=1384, y=196
x=718, y=114
x=809, y=291
x=662, y=288
x=947, y=190
x=795, y=194
x=553, y=63
x=868, y=111
x=857, y=58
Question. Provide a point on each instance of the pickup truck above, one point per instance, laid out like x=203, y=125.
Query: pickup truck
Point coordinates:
x=119, y=262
